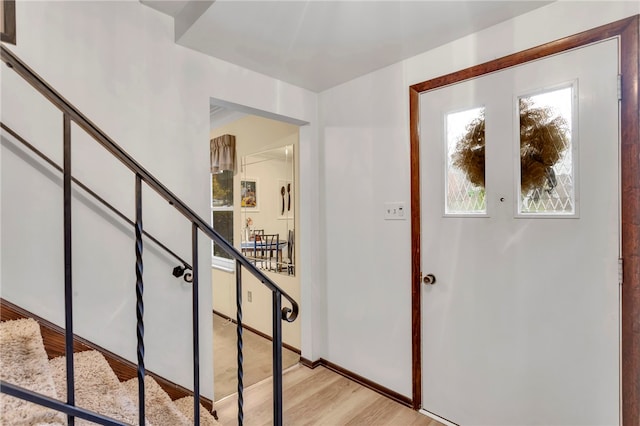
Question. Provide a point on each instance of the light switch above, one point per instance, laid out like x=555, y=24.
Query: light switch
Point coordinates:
x=395, y=211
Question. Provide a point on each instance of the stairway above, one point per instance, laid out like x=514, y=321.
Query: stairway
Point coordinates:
x=24, y=362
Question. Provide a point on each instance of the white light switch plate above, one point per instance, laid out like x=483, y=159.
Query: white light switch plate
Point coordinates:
x=395, y=211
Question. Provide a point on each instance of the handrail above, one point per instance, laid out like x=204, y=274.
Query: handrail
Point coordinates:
x=89, y=191
x=288, y=314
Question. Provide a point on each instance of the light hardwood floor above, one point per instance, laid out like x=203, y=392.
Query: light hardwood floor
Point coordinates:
x=319, y=397
x=256, y=353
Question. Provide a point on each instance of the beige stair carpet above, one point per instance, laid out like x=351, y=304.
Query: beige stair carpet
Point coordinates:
x=159, y=409
x=23, y=362
x=185, y=405
x=96, y=387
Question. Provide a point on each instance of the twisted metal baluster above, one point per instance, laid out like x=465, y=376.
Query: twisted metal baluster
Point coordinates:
x=139, y=301
x=239, y=340
x=68, y=288
x=196, y=330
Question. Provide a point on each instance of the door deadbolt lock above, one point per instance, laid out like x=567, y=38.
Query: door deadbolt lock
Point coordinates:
x=429, y=279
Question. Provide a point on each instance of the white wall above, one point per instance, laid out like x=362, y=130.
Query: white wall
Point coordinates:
x=365, y=162
x=118, y=63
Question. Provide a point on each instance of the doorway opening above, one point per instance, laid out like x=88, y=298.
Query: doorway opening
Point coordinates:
x=255, y=205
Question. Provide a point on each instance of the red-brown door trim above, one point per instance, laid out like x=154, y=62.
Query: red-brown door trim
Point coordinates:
x=627, y=30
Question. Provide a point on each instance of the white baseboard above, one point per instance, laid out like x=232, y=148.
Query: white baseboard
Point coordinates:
x=438, y=418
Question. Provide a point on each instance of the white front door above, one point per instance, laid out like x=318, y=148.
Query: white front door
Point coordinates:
x=522, y=324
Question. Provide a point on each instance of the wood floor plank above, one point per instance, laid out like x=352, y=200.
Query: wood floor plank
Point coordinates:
x=299, y=383
x=384, y=411
x=319, y=400
x=257, y=358
x=320, y=397
x=337, y=412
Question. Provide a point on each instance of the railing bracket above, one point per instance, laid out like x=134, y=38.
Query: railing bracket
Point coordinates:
x=179, y=271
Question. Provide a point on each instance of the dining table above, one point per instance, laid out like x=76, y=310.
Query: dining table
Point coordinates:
x=252, y=248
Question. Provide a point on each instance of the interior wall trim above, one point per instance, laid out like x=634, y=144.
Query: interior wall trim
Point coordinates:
x=382, y=390
x=54, y=344
x=627, y=31
x=310, y=364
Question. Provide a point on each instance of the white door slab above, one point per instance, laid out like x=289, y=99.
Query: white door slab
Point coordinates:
x=522, y=324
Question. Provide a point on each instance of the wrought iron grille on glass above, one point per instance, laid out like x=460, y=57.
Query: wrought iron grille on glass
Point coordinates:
x=546, y=153
x=462, y=195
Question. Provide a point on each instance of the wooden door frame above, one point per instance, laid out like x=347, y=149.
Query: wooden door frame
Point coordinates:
x=627, y=31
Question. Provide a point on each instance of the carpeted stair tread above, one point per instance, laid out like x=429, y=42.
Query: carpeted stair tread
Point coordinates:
x=96, y=387
x=23, y=362
x=159, y=409
x=185, y=405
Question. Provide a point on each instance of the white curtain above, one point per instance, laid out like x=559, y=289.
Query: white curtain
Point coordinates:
x=223, y=153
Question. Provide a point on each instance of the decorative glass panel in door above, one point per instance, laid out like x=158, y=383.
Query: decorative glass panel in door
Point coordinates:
x=547, y=149
x=465, y=177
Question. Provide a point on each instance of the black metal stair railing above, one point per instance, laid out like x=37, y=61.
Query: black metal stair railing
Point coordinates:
x=279, y=314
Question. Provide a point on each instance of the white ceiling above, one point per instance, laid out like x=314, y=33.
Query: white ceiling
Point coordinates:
x=319, y=44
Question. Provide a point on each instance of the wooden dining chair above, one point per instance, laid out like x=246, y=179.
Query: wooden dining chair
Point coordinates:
x=254, y=237
x=269, y=247
x=257, y=234
x=290, y=252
